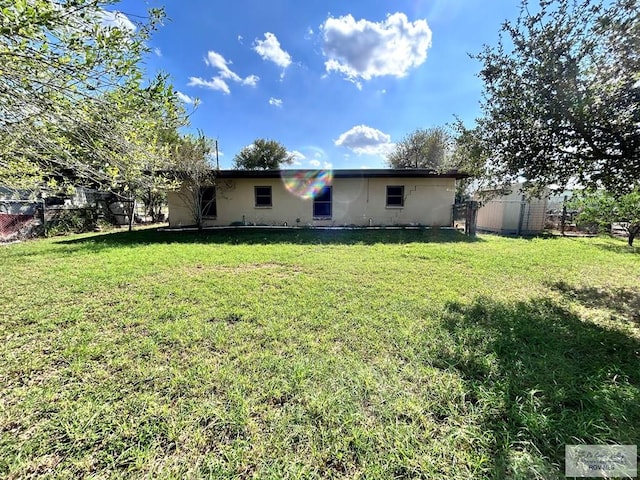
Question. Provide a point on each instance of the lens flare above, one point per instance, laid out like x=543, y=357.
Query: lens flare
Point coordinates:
x=306, y=183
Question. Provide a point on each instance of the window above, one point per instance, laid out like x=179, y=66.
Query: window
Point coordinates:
x=322, y=204
x=263, y=197
x=395, y=196
x=208, y=204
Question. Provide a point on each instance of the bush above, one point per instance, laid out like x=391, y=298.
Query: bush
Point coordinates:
x=66, y=221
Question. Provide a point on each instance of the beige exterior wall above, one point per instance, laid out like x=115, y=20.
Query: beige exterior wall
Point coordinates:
x=356, y=201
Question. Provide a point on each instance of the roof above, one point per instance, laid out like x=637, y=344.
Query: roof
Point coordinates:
x=346, y=173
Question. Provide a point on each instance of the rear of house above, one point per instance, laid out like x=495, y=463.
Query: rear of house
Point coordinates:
x=321, y=198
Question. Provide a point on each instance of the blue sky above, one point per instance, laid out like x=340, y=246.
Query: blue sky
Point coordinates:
x=336, y=82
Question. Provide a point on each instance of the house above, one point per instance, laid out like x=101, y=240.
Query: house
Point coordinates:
x=512, y=212
x=383, y=197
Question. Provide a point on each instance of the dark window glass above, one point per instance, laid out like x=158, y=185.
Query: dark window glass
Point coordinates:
x=395, y=196
x=263, y=196
x=322, y=203
x=209, y=202
x=324, y=195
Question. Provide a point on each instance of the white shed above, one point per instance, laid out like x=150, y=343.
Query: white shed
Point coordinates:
x=512, y=213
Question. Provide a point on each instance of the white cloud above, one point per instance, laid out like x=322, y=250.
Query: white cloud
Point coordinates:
x=309, y=34
x=269, y=49
x=297, y=158
x=315, y=163
x=216, y=83
x=185, y=98
x=117, y=20
x=366, y=140
x=363, y=49
x=251, y=80
x=158, y=52
x=298, y=155
x=217, y=61
x=240, y=39
x=276, y=102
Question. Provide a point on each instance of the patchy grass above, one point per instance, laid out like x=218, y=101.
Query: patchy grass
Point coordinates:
x=305, y=354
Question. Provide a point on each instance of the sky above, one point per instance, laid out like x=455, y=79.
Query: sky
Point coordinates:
x=336, y=82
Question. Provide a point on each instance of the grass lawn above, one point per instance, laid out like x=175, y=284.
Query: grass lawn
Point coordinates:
x=303, y=354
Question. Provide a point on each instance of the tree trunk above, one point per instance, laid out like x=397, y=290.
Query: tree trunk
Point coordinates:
x=632, y=235
x=563, y=220
x=132, y=209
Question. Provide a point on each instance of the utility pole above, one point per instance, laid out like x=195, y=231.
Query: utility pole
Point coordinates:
x=217, y=159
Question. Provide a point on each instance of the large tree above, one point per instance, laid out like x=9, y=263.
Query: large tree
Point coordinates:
x=562, y=95
x=262, y=154
x=62, y=64
x=423, y=148
x=142, y=130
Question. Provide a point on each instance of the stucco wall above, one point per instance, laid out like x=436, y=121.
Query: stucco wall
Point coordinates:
x=355, y=201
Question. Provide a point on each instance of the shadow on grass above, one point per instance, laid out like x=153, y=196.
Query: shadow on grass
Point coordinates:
x=620, y=245
x=267, y=236
x=540, y=378
x=546, y=235
x=624, y=301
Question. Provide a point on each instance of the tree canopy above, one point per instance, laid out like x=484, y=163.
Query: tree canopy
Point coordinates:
x=562, y=95
x=263, y=154
x=423, y=148
x=73, y=103
x=602, y=208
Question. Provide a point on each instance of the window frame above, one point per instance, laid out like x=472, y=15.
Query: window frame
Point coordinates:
x=256, y=196
x=329, y=202
x=396, y=196
x=207, y=207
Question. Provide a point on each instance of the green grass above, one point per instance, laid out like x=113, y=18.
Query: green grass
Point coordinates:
x=307, y=354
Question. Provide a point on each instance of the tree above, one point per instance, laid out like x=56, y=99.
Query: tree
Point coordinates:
x=122, y=148
x=59, y=61
x=74, y=109
x=603, y=209
x=194, y=175
x=262, y=154
x=469, y=156
x=561, y=95
x=423, y=148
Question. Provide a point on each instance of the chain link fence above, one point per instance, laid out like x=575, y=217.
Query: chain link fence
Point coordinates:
x=19, y=219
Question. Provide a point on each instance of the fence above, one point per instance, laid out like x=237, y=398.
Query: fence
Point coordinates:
x=563, y=219
x=19, y=219
x=465, y=216
x=525, y=217
x=17, y=226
